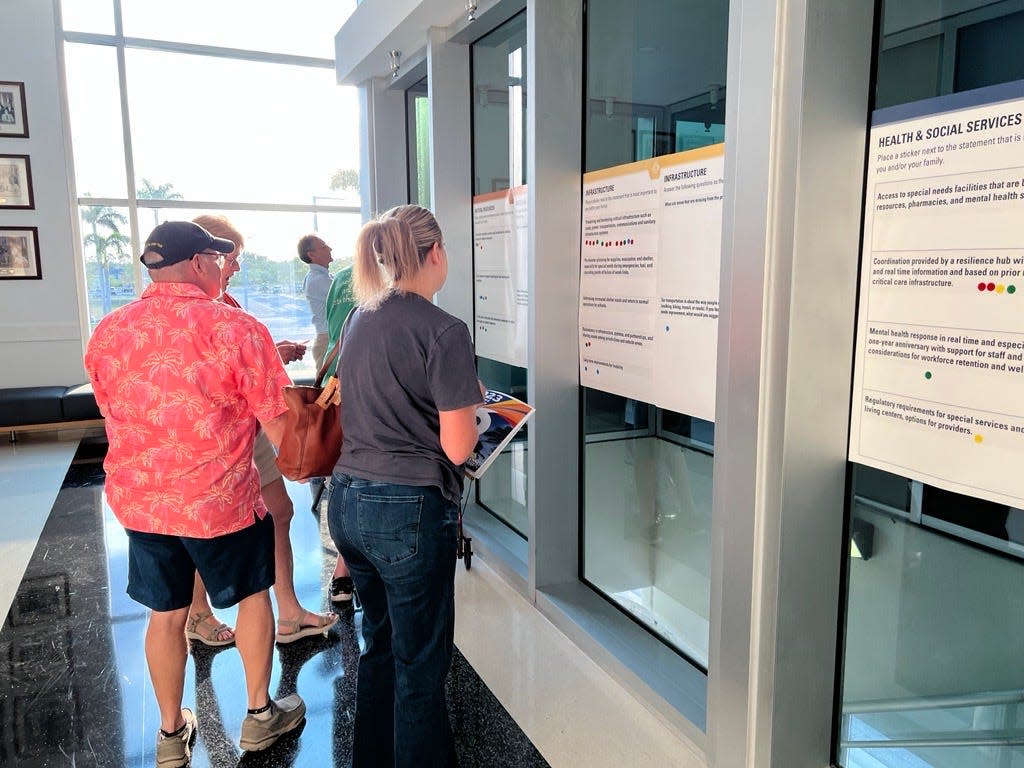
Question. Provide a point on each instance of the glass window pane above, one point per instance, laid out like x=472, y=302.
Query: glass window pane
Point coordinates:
x=229, y=130
x=651, y=65
x=655, y=72
x=984, y=522
x=988, y=52
x=499, y=107
x=97, y=137
x=269, y=282
x=417, y=114
x=88, y=16
x=499, y=145
x=909, y=72
x=305, y=29
x=932, y=641
x=605, y=413
x=502, y=491
x=110, y=271
x=647, y=542
x=874, y=487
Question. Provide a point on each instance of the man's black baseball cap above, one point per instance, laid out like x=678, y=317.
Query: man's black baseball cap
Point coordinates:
x=176, y=241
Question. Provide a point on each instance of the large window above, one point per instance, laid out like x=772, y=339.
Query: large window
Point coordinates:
x=654, y=85
x=933, y=663
x=172, y=119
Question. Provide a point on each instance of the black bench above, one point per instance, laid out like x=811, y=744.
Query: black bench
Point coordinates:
x=39, y=409
x=44, y=409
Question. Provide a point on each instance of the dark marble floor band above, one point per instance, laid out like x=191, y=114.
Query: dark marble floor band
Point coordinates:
x=74, y=689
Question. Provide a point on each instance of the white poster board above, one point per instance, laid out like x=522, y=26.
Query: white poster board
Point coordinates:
x=649, y=276
x=939, y=369
x=501, y=298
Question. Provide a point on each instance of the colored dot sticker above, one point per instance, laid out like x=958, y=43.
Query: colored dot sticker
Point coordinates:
x=979, y=439
x=1011, y=289
x=927, y=374
x=981, y=286
x=1000, y=288
x=990, y=287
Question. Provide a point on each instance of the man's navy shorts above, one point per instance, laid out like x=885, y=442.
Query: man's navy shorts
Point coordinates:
x=161, y=568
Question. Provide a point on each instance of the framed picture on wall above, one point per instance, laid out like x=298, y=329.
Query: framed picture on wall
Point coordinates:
x=15, y=182
x=19, y=253
x=13, y=118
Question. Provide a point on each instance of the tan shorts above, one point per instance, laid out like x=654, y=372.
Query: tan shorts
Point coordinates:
x=265, y=459
x=319, y=350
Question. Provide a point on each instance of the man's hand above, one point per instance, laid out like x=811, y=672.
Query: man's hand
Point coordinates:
x=290, y=351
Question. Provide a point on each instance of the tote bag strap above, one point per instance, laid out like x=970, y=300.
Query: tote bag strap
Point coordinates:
x=334, y=351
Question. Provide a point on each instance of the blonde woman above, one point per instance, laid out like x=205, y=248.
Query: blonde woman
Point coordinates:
x=409, y=385
x=293, y=621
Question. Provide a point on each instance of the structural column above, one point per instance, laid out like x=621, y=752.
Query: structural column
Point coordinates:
x=796, y=124
x=451, y=183
x=553, y=156
x=383, y=176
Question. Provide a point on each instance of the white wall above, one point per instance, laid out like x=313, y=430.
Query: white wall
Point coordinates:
x=40, y=332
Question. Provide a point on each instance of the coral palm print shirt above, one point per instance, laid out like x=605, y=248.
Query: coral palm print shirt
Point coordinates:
x=182, y=380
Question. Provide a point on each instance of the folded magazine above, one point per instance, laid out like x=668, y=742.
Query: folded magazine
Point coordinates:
x=497, y=422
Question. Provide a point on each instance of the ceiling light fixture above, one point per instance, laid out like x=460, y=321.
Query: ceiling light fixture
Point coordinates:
x=471, y=8
x=395, y=62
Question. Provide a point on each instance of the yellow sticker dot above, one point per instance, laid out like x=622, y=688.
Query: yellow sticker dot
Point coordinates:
x=978, y=438
x=1000, y=288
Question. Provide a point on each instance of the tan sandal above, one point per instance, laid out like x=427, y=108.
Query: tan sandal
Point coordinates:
x=298, y=630
x=210, y=634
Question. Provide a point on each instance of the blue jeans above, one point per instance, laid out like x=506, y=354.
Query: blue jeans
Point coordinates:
x=399, y=542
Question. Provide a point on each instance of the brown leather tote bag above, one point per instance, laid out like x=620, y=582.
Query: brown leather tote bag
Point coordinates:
x=312, y=437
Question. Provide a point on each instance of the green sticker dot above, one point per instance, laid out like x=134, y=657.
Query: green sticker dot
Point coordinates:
x=927, y=374
x=1011, y=289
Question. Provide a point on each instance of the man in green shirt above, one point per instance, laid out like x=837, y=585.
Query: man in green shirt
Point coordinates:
x=339, y=304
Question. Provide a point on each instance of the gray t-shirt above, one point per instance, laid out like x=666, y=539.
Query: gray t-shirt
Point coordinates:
x=400, y=364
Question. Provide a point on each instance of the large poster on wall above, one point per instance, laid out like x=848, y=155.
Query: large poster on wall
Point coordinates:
x=649, y=279
x=501, y=298
x=940, y=338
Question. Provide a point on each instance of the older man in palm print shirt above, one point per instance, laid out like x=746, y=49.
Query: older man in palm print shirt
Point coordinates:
x=182, y=381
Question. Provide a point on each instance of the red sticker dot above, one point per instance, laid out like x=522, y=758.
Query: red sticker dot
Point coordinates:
x=990, y=287
x=981, y=286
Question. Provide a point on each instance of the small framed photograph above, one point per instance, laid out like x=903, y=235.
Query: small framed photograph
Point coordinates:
x=13, y=118
x=19, y=253
x=16, y=182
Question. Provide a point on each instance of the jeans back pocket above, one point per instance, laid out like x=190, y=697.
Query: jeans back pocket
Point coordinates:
x=389, y=526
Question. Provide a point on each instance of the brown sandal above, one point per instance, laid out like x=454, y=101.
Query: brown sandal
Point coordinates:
x=211, y=634
x=298, y=630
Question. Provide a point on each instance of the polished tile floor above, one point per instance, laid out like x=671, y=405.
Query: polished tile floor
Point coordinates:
x=74, y=690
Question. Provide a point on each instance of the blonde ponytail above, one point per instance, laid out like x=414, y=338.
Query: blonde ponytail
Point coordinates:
x=390, y=250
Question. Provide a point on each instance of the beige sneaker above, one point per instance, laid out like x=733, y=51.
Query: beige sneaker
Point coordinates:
x=176, y=751
x=287, y=714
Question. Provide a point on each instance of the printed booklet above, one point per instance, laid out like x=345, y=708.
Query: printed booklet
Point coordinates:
x=497, y=421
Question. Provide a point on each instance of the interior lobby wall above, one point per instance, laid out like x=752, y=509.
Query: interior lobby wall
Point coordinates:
x=40, y=331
